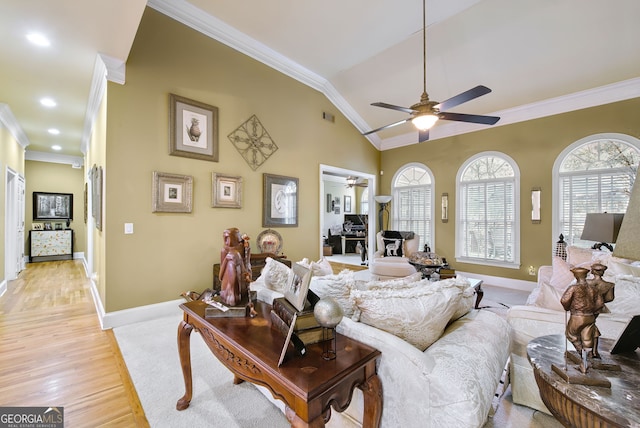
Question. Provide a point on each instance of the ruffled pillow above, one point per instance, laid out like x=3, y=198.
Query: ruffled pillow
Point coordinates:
x=417, y=315
x=336, y=286
x=276, y=274
x=321, y=268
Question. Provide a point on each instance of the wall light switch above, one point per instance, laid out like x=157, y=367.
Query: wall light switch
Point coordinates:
x=128, y=228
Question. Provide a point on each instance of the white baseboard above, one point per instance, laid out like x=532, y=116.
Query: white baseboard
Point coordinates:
x=3, y=287
x=498, y=281
x=141, y=313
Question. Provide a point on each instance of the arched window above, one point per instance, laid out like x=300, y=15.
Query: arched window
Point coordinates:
x=487, y=220
x=412, y=190
x=593, y=175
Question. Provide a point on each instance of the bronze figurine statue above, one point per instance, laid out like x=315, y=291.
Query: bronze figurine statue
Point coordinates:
x=585, y=300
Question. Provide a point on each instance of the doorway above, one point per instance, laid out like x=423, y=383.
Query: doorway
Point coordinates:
x=14, y=240
x=333, y=189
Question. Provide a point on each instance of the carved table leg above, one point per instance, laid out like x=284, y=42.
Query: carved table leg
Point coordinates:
x=296, y=422
x=184, y=349
x=372, y=394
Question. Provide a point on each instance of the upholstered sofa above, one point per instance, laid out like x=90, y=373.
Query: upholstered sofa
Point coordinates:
x=439, y=369
x=543, y=313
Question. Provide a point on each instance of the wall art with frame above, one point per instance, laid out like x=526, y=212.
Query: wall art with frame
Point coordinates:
x=52, y=206
x=193, y=129
x=226, y=191
x=96, y=195
x=172, y=193
x=279, y=201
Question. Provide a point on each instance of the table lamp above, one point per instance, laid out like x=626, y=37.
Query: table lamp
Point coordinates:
x=602, y=228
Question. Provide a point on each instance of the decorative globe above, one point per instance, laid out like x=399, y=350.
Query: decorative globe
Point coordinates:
x=328, y=312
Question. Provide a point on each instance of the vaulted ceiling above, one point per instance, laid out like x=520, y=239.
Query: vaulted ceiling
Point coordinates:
x=539, y=57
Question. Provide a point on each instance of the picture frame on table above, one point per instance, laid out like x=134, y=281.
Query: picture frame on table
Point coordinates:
x=226, y=191
x=279, y=201
x=193, y=129
x=172, y=193
x=52, y=206
x=297, y=286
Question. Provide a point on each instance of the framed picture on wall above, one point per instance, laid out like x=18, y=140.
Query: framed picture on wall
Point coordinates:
x=226, y=191
x=347, y=204
x=193, y=129
x=52, y=206
x=172, y=193
x=279, y=201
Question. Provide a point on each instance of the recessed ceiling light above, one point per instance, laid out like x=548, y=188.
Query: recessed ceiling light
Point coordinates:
x=56, y=147
x=38, y=39
x=53, y=131
x=48, y=102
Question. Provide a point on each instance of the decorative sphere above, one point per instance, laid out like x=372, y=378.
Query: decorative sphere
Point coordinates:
x=328, y=312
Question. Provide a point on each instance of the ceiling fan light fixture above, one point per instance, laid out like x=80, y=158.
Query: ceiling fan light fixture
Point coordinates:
x=352, y=181
x=424, y=121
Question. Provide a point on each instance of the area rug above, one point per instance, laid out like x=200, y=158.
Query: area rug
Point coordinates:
x=150, y=352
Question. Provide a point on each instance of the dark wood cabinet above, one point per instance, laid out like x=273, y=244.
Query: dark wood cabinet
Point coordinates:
x=258, y=262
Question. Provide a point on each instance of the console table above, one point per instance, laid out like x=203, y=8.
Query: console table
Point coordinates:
x=583, y=405
x=50, y=244
x=308, y=385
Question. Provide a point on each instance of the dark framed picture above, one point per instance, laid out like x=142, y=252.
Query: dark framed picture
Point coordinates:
x=347, y=204
x=279, y=201
x=193, y=129
x=52, y=206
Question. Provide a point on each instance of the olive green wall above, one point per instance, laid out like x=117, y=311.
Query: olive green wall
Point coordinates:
x=11, y=156
x=534, y=146
x=171, y=253
x=57, y=178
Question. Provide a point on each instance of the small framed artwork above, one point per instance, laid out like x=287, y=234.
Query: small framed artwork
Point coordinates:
x=172, y=193
x=47, y=226
x=444, y=215
x=347, y=204
x=59, y=226
x=52, y=206
x=298, y=285
x=279, y=201
x=329, y=203
x=193, y=129
x=37, y=226
x=226, y=191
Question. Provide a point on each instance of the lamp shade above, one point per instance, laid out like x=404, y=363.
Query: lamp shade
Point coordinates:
x=383, y=199
x=602, y=227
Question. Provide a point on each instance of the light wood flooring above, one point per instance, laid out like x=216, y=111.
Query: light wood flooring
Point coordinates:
x=54, y=352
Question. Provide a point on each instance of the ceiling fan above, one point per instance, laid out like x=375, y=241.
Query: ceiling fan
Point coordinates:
x=356, y=182
x=426, y=113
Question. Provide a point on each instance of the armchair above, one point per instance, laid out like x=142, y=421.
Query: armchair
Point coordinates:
x=391, y=260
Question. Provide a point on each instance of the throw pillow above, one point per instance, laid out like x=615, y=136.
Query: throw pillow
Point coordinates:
x=627, y=296
x=276, y=274
x=337, y=286
x=393, y=247
x=561, y=276
x=321, y=268
x=549, y=297
x=417, y=315
x=413, y=280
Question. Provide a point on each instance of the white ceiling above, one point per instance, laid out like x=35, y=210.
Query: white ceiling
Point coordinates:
x=539, y=57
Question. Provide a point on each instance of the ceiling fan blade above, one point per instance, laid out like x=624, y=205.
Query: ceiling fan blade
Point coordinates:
x=387, y=126
x=423, y=136
x=472, y=118
x=393, y=107
x=469, y=95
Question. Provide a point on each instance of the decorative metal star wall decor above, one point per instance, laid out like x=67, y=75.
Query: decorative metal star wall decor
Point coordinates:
x=253, y=142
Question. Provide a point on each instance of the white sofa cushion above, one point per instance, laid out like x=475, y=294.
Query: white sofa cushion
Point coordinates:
x=418, y=315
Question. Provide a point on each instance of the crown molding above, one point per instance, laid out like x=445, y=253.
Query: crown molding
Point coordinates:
x=620, y=91
x=9, y=121
x=74, y=161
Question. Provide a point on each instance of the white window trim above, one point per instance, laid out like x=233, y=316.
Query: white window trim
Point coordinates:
x=555, y=180
x=516, y=232
x=394, y=208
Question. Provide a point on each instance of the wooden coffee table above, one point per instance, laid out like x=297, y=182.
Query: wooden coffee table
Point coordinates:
x=582, y=405
x=308, y=385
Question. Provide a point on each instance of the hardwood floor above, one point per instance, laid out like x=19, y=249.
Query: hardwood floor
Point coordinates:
x=54, y=352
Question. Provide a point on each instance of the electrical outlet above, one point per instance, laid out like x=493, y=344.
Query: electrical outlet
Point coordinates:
x=532, y=270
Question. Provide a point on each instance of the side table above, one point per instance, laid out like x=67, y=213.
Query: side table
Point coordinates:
x=582, y=405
